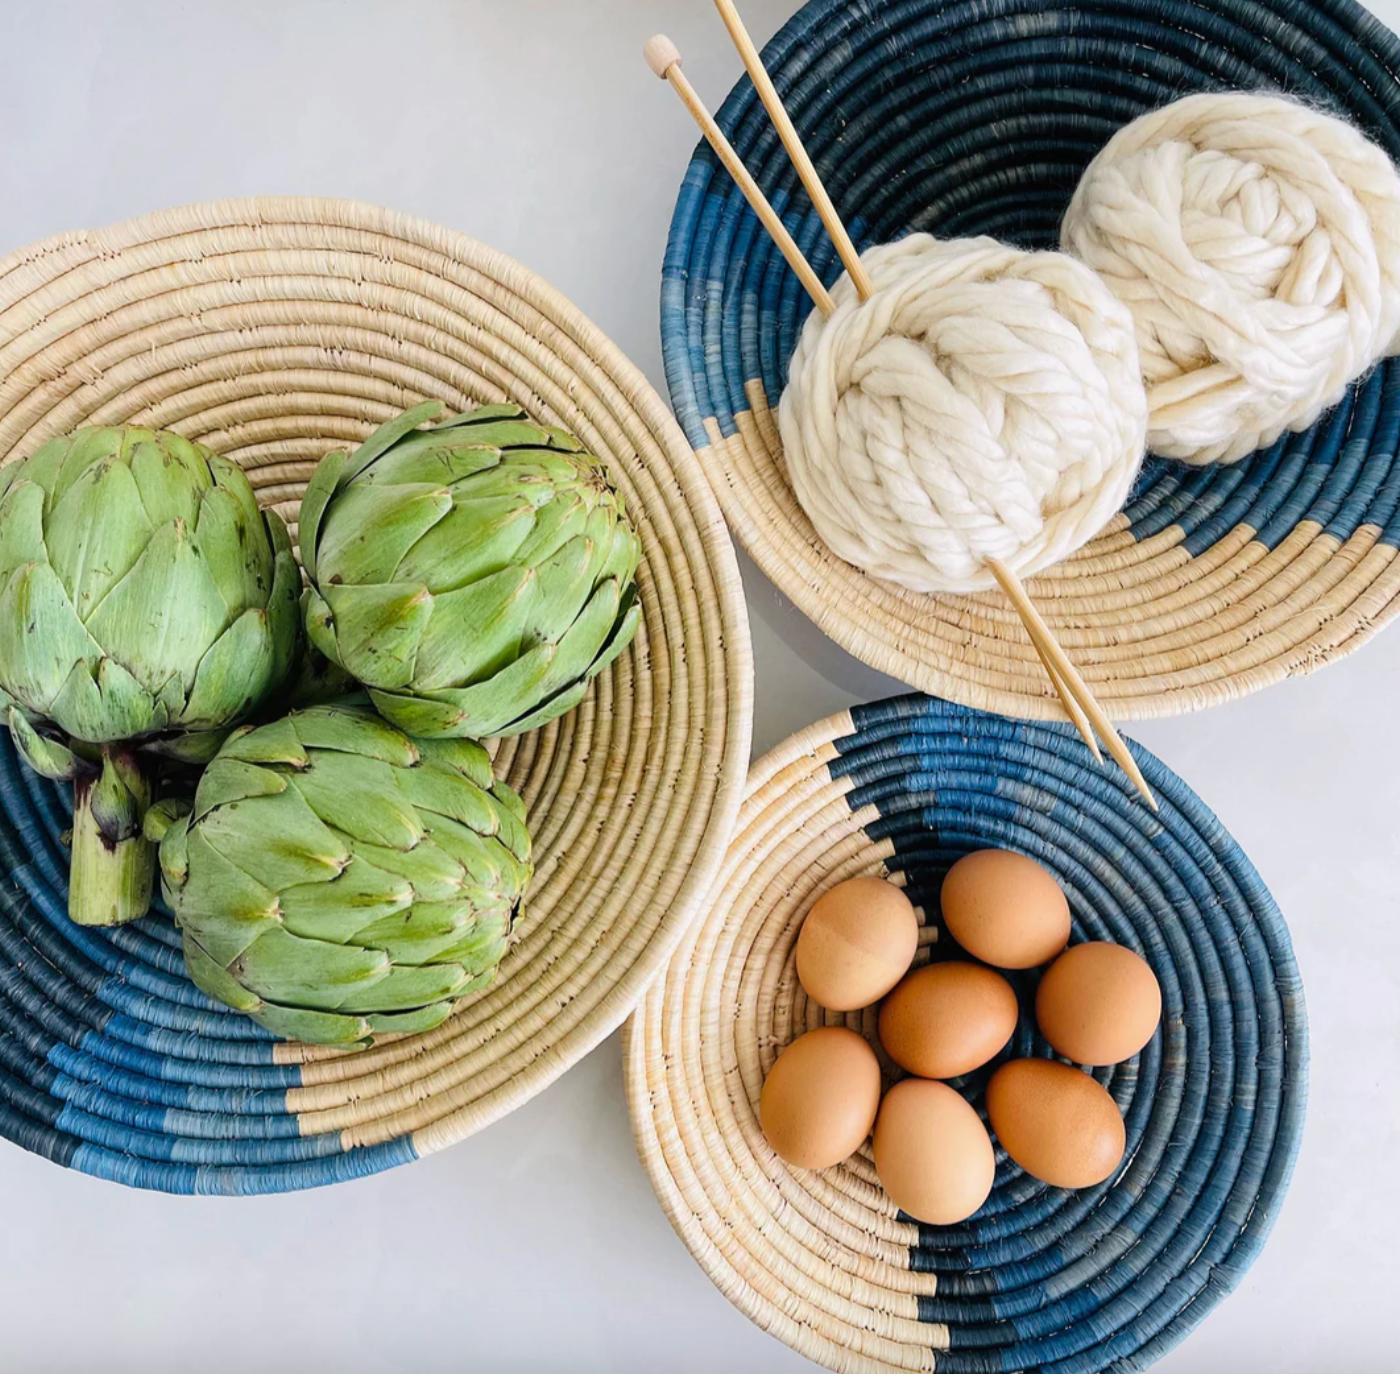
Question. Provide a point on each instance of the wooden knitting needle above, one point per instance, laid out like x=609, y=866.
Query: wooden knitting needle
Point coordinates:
x=782, y=122
x=664, y=58
x=1049, y=646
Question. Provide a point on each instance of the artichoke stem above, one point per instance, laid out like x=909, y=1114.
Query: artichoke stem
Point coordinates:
x=113, y=863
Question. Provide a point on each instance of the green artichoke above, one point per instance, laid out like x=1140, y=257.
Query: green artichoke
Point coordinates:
x=147, y=605
x=474, y=576
x=336, y=879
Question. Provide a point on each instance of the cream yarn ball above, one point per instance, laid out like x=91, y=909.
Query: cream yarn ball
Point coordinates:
x=985, y=402
x=1257, y=243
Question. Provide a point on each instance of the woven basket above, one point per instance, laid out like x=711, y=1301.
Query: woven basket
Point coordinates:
x=1071, y=1282
x=273, y=331
x=966, y=118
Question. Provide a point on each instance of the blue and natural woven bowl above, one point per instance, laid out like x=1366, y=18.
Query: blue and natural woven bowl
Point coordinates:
x=1106, y=1278
x=275, y=330
x=971, y=118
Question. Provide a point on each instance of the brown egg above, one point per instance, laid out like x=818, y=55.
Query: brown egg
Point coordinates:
x=1005, y=909
x=1098, y=1003
x=820, y=1098
x=944, y=1020
x=932, y=1153
x=1057, y=1123
x=857, y=942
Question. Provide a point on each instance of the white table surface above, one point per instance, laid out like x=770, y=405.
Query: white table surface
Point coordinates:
x=537, y=1245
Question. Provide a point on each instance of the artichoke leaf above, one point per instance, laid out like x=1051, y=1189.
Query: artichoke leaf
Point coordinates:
x=481, y=415
x=339, y=911
x=103, y=702
x=473, y=540
x=233, y=676
x=240, y=565
x=578, y=650
x=388, y=434
x=484, y=945
x=420, y=935
x=316, y=1027
x=21, y=525
x=277, y=742
x=37, y=665
x=162, y=617
x=474, y=630
x=284, y=602
x=77, y=452
x=325, y=480
x=225, y=907
x=405, y=986
x=172, y=475
x=483, y=862
x=230, y=780
x=464, y=756
x=434, y=874
x=170, y=813
x=320, y=628
x=557, y=523
x=357, y=796
x=283, y=968
x=509, y=799
x=45, y=756
x=197, y=747
x=211, y=978
x=370, y=528
x=479, y=711
x=118, y=800
x=280, y=838
x=444, y=793
x=551, y=708
x=411, y=1022
x=430, y=456
x=350, y=731
x=378, y=630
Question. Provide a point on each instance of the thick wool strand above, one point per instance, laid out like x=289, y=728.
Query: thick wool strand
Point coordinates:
x=1257, y=244
x=984, y=403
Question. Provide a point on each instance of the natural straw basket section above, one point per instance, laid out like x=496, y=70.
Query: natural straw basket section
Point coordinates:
x=1106, y=1278
x=979, y=118
x=274, y=330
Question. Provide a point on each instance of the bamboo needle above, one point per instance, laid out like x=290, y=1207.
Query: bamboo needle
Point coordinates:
x=664, y=58
x=782, y=122
x=1048, y=645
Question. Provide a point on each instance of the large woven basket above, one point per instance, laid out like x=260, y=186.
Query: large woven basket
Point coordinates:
x=1071, y=1282
x=964, y=118
x=275, y=330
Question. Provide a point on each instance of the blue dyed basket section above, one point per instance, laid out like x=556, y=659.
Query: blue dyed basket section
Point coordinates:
x=1108, y=1277
x=113, y=1063
x=979, y=118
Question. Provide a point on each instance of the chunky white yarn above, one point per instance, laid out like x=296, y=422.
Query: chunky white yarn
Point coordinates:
x=984, y=403
x=1257, y=243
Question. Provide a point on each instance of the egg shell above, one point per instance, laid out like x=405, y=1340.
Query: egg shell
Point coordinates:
x=1056, y=1122
x=820, y=1098
x=944, y=1020
x=857, y=942
x=1005, y=909
x=932, y=1152
x=1098, y=1003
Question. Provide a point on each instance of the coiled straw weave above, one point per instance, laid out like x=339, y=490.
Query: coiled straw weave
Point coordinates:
x=274, y=330
x=963, y=118
x=1071, y=1282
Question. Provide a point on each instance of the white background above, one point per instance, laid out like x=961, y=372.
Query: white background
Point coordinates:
x=537, y=1245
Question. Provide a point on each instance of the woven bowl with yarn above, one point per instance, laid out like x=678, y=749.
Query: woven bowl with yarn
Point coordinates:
x=274, y=330
x=965, y=119
x=1103, y=1278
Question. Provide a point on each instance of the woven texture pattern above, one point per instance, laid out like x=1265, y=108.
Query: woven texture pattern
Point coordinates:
x=1104, y=1278
x=962, y=119
x=273, y=331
